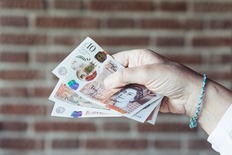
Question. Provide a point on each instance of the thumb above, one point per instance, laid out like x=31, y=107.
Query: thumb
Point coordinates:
x=124, y=77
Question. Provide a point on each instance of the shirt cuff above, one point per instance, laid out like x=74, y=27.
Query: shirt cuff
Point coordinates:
x=223, y=132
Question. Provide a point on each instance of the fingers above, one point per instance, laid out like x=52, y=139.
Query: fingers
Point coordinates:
x=124, y=57
x=138, y=57
x=164, y=108
x=124, y=77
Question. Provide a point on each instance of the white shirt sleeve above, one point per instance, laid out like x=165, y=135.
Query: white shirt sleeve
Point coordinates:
x=221, y=137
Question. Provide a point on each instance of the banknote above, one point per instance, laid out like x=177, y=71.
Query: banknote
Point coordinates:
x=84, y=71
x=64, y=109
x=150, y=110
x=152, y=117
x=72, y=111
x=64, y=94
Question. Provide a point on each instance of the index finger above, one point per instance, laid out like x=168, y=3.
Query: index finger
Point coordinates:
x=138, y=57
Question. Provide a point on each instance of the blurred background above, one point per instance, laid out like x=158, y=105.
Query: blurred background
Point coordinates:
x=35, y=35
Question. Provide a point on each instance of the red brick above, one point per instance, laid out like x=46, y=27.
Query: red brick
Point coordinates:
x=199, y=144
x=50, y=57
x=116, y=126
x=166, y=128
x=64, y=126
x=119, y=23
x=193, y=24
x=13, y=126
x=22, y=39
x=221, y=24
x=23, y=4
x=225, y=59
x=135, y=144
x=158, y=23
x=211, y=41
x=221, y=59
x=167, y=144
x=186, y=59
x=13, y=21
x=173, y=6
x=13, y=92
x=21, y=74
x=13, y=57
x=41, y=92
x=21, y=144
x=68, y=4
x=170, y=41
x=65, y=40
x=22, y=109
x=65, y=144
x=120, y=41
x=213, y=7
x=67, y=22
x=161, y=23
x=121, y=5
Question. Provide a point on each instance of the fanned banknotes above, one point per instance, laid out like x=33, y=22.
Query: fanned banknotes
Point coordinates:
x=81, y=91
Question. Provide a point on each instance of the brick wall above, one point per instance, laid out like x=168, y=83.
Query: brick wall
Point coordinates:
x=35, y=35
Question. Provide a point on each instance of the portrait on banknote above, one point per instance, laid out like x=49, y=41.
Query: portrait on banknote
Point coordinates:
x=128, y=98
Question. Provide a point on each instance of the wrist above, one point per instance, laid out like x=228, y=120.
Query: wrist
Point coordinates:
x=193, y=120
x=216, y=101
x=194, y=91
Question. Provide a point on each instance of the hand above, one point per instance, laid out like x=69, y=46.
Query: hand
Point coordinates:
x=179, y=84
